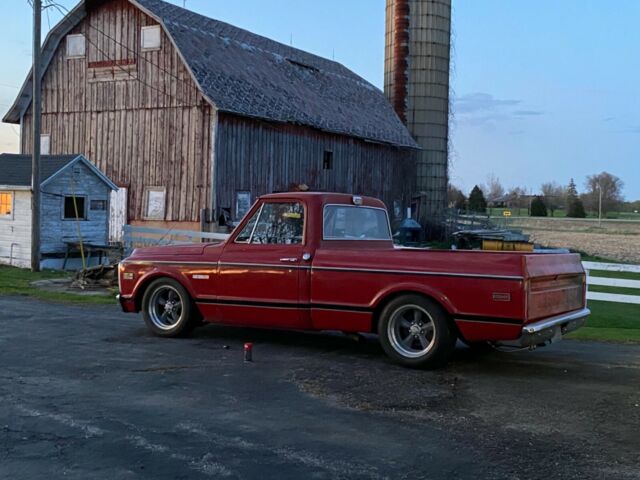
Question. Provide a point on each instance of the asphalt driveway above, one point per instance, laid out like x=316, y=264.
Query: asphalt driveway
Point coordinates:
x=87, y=392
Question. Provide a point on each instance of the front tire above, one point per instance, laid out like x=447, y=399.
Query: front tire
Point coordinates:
x=167, y=308
x=414, y=332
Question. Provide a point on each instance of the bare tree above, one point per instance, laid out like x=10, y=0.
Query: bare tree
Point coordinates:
x=494, y=189
x=609, y=186
x=453, y=196
x=516, y=197
x=553, y=195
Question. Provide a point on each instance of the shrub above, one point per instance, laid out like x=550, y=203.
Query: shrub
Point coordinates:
x=538, y=207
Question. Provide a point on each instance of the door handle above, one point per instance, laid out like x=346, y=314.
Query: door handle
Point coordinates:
x=289, y=259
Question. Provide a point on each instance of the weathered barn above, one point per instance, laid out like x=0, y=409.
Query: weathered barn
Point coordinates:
x=74, y=206
x=187, y=113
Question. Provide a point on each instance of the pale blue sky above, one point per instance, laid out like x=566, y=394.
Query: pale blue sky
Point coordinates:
x=545, y=89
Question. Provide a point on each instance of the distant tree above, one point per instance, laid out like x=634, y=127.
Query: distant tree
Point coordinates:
x=553, y=195
x=460, y=202
x=538, y=207
x=494, y=189
x=477, y=202
x=453, y=193
x=575, y=207
x=516, y=197
x=611, y=192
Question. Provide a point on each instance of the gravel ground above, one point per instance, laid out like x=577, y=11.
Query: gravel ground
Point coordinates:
x=89, y=393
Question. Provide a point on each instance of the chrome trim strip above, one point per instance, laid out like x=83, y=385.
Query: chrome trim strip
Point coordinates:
x=559, y=319
x=334, y=269
x=267, y=265
x=431, y=274
x=168, y=262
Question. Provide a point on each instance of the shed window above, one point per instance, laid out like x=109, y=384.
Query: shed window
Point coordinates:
x=98, y=205
x=70, y=208
x=45, y=144
x=6, y=204
x=327, y=160
x=150, y=37
x=76, y=46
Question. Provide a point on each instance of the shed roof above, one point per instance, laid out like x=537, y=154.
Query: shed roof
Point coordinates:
x=15, y=169
x=250, y=75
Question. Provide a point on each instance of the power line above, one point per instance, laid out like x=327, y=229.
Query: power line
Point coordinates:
x=132, y=77
x=62, y=9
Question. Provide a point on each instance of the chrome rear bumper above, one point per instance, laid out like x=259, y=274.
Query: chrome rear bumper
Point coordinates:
x=549, y=330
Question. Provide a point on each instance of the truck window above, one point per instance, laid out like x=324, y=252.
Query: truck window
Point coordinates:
x=275, y=223
x=347, y=222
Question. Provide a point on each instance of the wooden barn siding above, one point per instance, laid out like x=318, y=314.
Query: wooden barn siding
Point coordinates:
x=55, y=230
x=151, y=130
x=17, y=230
x=262, y=157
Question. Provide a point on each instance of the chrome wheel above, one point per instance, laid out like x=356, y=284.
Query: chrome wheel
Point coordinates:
x=165, y=307
x=411, y=331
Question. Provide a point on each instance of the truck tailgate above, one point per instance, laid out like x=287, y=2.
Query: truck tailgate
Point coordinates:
x=555, y=283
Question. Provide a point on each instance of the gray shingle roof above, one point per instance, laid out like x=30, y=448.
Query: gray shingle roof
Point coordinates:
x=250, y=75
x=15, y=170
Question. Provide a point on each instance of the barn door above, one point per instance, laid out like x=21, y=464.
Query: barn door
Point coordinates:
x=118, y=214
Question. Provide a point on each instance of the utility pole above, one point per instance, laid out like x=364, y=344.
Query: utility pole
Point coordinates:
x=599, y=205
x=36, y=107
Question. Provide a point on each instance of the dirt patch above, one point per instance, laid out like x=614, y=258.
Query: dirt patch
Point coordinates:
x=624, y=248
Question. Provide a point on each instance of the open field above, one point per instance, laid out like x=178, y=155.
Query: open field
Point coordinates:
x=614, y=239
x=524, y=212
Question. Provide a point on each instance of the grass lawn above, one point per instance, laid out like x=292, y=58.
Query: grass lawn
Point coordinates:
x=614, y=322
x=17, y=281
x=611, y=322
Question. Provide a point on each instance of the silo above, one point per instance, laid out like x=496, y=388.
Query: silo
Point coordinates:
x=417, y=59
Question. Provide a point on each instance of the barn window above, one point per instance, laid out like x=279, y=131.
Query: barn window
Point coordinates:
x=150, y=38
x=6, y=204
x=154, y=203
x=76, y=46
x=45, y=144
x=327, y=160
x=73, y=204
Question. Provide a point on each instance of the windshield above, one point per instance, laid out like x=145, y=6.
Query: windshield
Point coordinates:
x=346, y=222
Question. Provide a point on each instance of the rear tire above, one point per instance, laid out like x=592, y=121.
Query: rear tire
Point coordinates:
x=414, y=332
x=167, y=308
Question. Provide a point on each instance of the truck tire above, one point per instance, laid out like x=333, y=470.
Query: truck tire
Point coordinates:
x=167, y=308
x=414, y=332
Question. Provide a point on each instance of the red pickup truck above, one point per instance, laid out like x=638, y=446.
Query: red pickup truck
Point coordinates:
x=325, y=261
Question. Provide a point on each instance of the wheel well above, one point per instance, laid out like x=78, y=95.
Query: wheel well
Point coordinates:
x=389, y=298
x=145, y=285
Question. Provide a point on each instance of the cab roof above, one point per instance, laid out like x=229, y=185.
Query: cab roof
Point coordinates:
x=326, y=197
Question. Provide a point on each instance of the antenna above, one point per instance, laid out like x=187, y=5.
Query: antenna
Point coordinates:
x=291, y=39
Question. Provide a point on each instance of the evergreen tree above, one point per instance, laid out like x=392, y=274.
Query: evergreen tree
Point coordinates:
x=538, y=207
x=477, y=202
x=575, y=207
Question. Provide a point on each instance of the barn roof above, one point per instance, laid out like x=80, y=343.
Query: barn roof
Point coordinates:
x=15, y=170
x=250, y=75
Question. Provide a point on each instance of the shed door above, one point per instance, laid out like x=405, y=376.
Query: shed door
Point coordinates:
x=118, y=214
